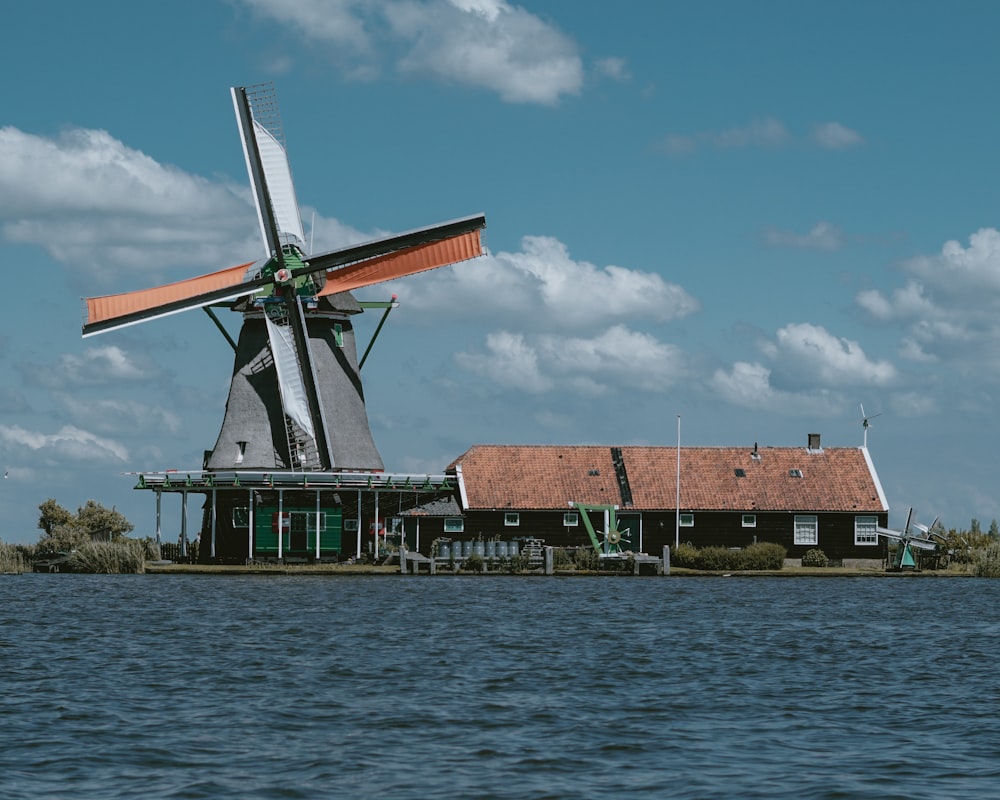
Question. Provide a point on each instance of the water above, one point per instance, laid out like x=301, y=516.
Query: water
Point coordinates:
x=502, y=687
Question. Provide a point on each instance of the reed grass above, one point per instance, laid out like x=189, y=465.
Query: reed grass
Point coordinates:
x=986, y=561
x=12, y=559
x=122, y=557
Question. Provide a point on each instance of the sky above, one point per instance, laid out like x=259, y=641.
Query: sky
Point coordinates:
x=723, y=222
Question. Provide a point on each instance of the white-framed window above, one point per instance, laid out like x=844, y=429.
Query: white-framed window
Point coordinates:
x=866, y=529
x=350, y=525
x=454, y=525
x=511, y=519
x=749, y=520
x=241, y=517
x=795, y=473
x=806, y=529
x=571, y=519
x=687, y=520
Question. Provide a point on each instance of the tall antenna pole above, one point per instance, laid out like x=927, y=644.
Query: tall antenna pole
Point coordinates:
x=677, y=502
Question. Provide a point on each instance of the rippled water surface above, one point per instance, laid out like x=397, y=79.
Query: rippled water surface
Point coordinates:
x=498, y=687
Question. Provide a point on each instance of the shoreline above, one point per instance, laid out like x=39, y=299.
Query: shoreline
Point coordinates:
x=675, y=572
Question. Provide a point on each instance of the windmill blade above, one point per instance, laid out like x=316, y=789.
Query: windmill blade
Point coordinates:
x=909, y=518
x=395, y=257
x=110, y=312
x=922, y=544
x=369, y=263
x=270, y=174
x=896, y=536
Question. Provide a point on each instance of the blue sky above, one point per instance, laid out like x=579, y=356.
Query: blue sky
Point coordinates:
x=757, y=216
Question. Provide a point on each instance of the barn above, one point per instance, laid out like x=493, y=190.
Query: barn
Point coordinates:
x=799, y=497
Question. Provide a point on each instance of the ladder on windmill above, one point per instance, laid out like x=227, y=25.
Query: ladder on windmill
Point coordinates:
x=303, y=453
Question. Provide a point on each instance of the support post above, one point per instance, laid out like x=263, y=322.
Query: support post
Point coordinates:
x=666, y=559
x=549, y=560
x=317, y=524
x=402, y=560
x=358, y=555
x=159, y=501
x=214, y=491
x=184, y=524
x=281, y=523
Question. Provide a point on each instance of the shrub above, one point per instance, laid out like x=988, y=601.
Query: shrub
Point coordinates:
x=684, y=555
x=759, y=556
x=587, y=558
x=473, y=563
x=762, y=555
x=815, y=558
x=986, y=561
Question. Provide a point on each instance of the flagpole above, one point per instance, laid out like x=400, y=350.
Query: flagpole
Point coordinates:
x=677, y=503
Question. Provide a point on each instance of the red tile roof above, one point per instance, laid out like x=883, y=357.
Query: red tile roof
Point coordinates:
x=551, y=476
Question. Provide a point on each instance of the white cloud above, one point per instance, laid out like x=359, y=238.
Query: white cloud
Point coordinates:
x=834, y=136
x=948, y=307
x=96, y=365
x=822, y=236
x=586, y=365
x=748, y=385
x=509, y=362
x=69, y=442
x=98, y=206
x=543, y=286
x=812, y=354
x=117, y=415
x=486, y=43
x=340, y=22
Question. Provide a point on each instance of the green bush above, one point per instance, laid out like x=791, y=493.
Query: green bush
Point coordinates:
x=759, y=556
x=762, y=555
x=684, y=555
x=473, y=563
x=815, y=558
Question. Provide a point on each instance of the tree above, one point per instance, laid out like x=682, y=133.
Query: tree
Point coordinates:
x=52, y=516
x=63, y=538
x=974, y=528
x=97, y=519
x=63, y=531
x=994, y=530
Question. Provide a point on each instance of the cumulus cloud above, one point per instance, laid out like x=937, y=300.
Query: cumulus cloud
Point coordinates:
x=749, y=385
x=812, y=354
x=543, y=286
x=69, y=442
x=96, y=365
x=116, y=415
x=508, y=361
x=947, y=309
x=491, y=44
x=100, y=207
x=594, y=365
x=809, y=368
x=822, y=236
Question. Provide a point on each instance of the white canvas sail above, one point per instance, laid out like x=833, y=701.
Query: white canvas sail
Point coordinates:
x=290, y=385
x=280, y=188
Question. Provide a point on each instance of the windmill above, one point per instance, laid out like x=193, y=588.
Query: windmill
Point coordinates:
x=295, y=399
x=866, y=422
x=908, y=540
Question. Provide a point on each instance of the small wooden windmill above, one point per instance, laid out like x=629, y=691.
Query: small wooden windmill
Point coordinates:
x=296, y=400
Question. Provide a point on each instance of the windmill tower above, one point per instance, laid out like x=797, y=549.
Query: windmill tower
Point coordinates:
x=296, y=400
